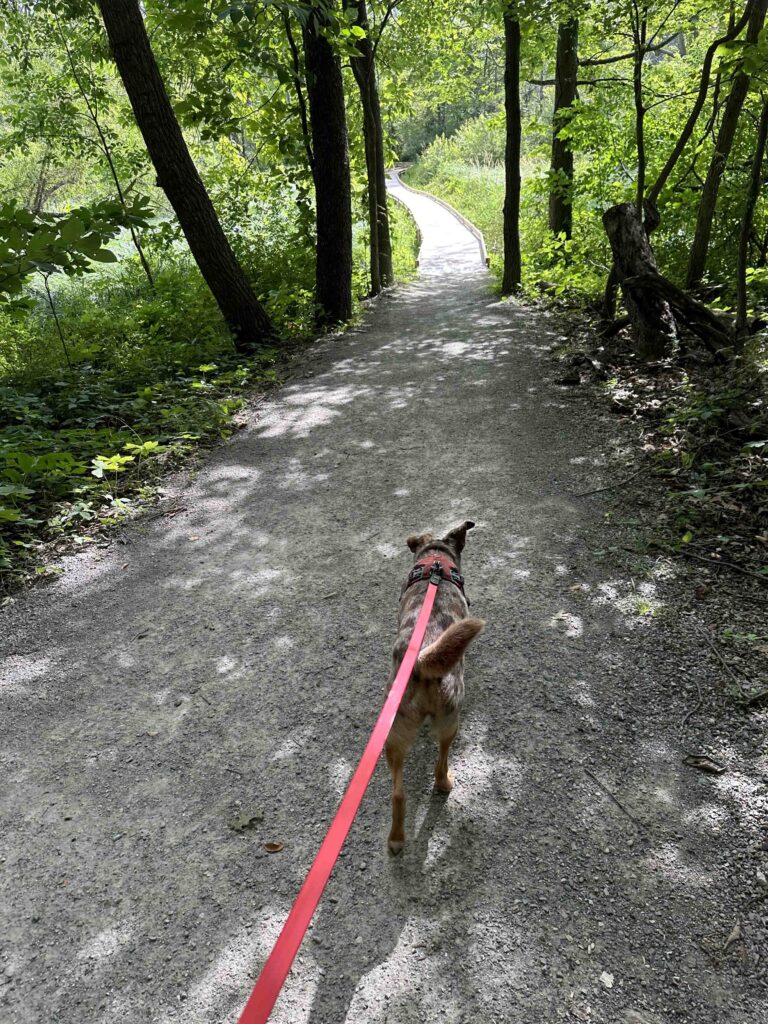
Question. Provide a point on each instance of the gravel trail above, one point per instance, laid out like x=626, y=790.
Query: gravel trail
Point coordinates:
x=172, y=704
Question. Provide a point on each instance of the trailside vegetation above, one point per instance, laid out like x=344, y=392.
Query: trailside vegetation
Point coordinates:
x=635, y=198
x=187, y=192
x=189, y=189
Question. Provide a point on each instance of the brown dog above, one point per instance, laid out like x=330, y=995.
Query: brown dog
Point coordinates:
x=436, y=688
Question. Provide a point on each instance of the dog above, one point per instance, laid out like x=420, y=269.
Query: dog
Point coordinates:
x=436, y=687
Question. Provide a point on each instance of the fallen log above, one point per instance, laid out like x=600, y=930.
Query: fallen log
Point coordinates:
x=652, y=319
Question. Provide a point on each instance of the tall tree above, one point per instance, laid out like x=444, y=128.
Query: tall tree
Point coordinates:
x=512, y=276
x=561, y=168
x=747, y=220
x=328, y=124
x=178, y=176
x=697, y=260
x=364, y=70
x=639, y=22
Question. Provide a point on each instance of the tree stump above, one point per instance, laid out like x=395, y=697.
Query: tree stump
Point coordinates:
x=652, y=320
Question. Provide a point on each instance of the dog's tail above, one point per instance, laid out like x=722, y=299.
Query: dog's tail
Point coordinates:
x=440, y=657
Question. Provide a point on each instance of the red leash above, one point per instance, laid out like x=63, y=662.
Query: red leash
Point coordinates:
x=275, y=970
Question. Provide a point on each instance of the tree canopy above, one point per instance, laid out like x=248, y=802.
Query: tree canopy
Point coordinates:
x=239, y=204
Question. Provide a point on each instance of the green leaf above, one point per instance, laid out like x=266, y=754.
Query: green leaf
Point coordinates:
x=103, y=256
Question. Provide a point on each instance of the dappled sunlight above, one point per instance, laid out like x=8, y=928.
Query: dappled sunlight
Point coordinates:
x=483, y=779
x=107, y=943
x=19, y=670
x=297, y=478
x=339, y=774
x=669, y=861
x=293, y=744
x=708, y=817
x=567, y=624
x=225, y=978
x=438, y=846
x=637, y=603
x=394, y=977
x=219, y=673
x=580, y=693
x=388, y=550
x=298, y=412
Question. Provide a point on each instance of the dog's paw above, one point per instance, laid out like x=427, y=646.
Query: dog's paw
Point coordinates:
x=444, y=784
x=395, y=846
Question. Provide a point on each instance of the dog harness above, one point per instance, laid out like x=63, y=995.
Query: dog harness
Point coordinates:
x=432, y=565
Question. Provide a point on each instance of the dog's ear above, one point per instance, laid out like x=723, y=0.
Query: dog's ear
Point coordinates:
x=458, y=536
x=418, y=540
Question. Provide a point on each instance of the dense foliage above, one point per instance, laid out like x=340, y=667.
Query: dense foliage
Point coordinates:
x=114, y=359
x=117, y=348
x=669, y=115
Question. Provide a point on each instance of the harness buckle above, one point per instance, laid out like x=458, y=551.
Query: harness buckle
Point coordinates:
x=436, y=574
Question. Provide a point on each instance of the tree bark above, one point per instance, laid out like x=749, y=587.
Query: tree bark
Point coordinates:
x=512, y=277
x=639, y=36
x=364, y=70
x=327, y=118
x=652, y=320
x=561, y=168
x=747, y=221
x=697, y=260
x=695, y=315
x=178, y=176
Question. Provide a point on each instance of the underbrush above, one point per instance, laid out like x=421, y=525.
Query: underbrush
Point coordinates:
x=712, y=448
x=79, y=448
x=122, y=384
x=704, y=430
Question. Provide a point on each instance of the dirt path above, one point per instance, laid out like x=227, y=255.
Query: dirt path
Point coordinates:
x=230, y=661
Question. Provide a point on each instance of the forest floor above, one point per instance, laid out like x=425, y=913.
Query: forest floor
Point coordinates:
x=205, y=685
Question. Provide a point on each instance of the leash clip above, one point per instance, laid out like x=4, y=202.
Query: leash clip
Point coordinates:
x=437, y=574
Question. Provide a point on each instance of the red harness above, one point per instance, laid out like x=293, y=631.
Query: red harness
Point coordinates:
x=423, y=569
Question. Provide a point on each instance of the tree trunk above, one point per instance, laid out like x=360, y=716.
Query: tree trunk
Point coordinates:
x=561, y=171
x=364, y=70
x=639, y=34
x=697, y=260
x=512, y=277
x=327, y=118
x=695, y=315
x=382, y=212
x=178, y=177
x=652, y=320
x=747, y=221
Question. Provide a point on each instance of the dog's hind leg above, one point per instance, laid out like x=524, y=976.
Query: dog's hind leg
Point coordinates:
x=445, y=730
x=399, y=743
